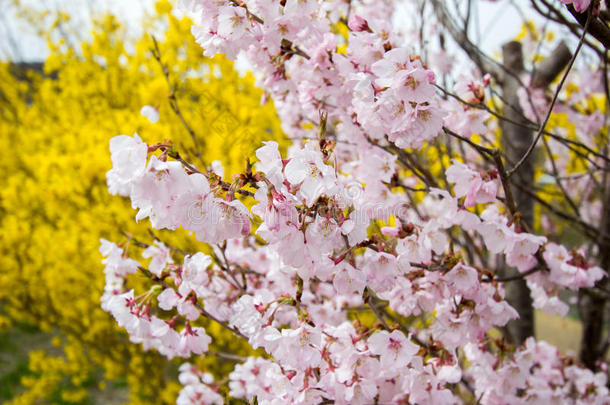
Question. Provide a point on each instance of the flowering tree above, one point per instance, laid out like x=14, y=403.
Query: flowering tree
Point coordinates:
x=381, y=259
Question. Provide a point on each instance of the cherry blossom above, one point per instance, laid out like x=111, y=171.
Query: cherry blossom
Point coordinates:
x=151, y=113
x=394, y=349
x=361, y=276
x=469, y=184
x=579, y=5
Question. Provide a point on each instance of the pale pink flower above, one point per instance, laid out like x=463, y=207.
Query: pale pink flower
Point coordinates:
x=155, y=192
x=128, y=155
x=193, y=340
x=194, y=273
x=299, y=348
x=551, y=305
x=381, y=270
x=579, y=5
x=307, y=171
x=160, y=257
x=151, y=113
x=469, y=184
x=358, y=24
x=270, y=163
x=168, y=299
x=462, y=277
x=521, y=253
x=394, y=349
x=186, y=307
x=349, y=280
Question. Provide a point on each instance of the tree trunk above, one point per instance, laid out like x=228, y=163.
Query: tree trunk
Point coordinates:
x=516, y=140
x=592, y=305
x=592, y=309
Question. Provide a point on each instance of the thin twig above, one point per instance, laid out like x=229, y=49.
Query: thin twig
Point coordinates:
x=173, y=101
x=513, y=278
x=555, y=96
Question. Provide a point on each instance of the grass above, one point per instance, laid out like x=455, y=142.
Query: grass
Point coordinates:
x=561, y=332
x=9, y=382
x=15, y=344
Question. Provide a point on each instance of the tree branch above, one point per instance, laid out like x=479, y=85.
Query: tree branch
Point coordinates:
x=597, y=28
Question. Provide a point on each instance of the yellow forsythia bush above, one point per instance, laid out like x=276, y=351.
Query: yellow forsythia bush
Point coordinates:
x=54, y=205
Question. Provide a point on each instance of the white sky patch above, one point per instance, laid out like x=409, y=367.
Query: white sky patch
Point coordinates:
x=20, y=42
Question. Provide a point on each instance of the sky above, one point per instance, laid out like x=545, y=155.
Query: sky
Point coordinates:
x=28, y=47
x=31, y=48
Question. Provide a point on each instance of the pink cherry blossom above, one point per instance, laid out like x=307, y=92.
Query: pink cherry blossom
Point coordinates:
x=394, y=349
x=352, y=221
x=128, y=155
x=151, y=113
x=579, y=5
x=469, y=184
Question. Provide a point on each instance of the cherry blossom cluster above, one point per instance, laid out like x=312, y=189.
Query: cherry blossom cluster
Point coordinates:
x=163, y=191
x=198, y=387
x=293, y=293
x=357, y=291
x=134, y=313
x=375, y=88
x=538, y=373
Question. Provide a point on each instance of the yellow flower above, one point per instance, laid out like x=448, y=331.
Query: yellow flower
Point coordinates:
x=54, y=205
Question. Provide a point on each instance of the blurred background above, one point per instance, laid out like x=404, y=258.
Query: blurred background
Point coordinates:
x=25, y=24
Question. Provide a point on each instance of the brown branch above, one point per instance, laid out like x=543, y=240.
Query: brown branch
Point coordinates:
x=558, y=17
x=483, y=62
x=588, y=229
x=173, y=101
x=550, y=67
x=225, y=186
x=483, y=151
x=513, y=278
x=553, y=101
x=566, y=142
x=595, y=27
x=202, y=310
x=510, y=201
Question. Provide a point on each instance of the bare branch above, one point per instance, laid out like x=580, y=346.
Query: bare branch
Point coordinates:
x=483, y=62
x=595, y=27
x=550, y=68
x=555, y=96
